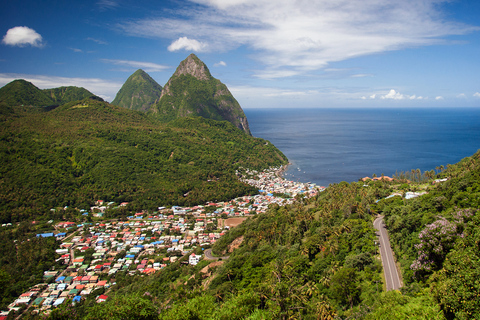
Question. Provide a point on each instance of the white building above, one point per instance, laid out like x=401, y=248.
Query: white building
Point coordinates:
x=194, y=258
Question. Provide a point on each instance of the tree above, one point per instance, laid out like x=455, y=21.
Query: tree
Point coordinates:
x=131, y=306
x=344, y=287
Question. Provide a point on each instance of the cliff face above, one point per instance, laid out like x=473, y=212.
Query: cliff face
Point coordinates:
x=192, y=91
x=139, y=92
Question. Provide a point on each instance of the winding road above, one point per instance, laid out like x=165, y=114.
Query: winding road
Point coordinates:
x=389, y=268
x=209, y=256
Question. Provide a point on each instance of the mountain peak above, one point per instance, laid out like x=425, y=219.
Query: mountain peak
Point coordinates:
x=193, y=91
x=139, y=92
x=193, y=66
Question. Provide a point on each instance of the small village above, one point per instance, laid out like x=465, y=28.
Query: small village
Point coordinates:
x=94, y=253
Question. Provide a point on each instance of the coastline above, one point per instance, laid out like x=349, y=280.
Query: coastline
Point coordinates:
x=279, y=173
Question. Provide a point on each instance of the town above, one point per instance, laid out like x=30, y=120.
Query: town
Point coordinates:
x=94, y=253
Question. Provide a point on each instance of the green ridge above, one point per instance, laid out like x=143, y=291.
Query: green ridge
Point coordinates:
x=21, y=92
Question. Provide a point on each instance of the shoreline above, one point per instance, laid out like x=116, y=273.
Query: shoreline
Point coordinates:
x=279, y=173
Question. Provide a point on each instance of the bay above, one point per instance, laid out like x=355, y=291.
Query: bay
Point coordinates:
x=332, y=145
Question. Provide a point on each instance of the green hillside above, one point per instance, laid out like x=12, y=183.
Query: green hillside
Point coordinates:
x=88, y=150
x=63, y=95
x=21, y=92
x=192, y=91
x=139, y=92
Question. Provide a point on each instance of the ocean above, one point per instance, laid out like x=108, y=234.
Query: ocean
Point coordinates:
x=332, y=145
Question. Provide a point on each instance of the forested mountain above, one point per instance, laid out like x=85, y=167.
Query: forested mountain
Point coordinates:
x=21, y=92
x=89, y=149
x=63, y=95
x=192, y=91
x=139, y=92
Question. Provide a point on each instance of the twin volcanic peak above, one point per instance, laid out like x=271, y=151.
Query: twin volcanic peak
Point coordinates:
x=191, y=91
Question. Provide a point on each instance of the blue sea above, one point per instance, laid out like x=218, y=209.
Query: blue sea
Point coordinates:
x=332, y=145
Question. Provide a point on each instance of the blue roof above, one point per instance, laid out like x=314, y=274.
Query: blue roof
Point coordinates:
x=60, y=279
x=45, y=235
x=139, y=246
x=61, y=234
x=130, y=256
x=77, y=298
x=175, y=240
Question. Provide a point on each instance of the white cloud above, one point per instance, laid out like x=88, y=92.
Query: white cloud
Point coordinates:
x=220, y=64
x=76, y=50
x=395, y=95
x=146, y=66
x=392, y=94
x=103, y=88
x=23, y=36
x=439, y=98
x=462, y=96
x=476, y=94
x=296, y=37
x=183, y=43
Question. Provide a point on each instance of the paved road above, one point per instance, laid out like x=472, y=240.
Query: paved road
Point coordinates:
x=391, y=274
x=208, y=255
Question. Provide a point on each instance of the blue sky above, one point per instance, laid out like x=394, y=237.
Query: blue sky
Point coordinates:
x=271, y=54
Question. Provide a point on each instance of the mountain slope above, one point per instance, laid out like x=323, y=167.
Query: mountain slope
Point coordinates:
x=21, y=92
x=63, y=95
x=192, y=91
x=89, y=149
x=139, y=92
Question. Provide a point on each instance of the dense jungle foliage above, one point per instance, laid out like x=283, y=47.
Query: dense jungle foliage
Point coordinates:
x=23, y=259
x=139, y=92
x=317, y=259
x=436, y=238
x=89, y=150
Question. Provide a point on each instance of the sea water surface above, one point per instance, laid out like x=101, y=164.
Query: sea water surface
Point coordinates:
x=333, y=145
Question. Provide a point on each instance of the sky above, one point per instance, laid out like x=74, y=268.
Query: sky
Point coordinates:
x=270, y=54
